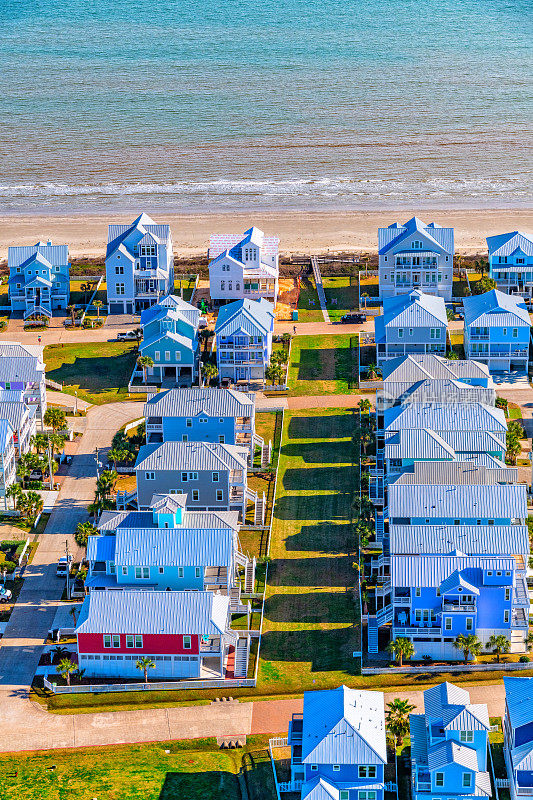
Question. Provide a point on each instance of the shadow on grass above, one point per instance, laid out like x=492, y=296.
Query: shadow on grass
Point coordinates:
x=310, y=607
x=328, y=426
x=302, y=507
x=204, y=785
x=327, y=650
x=323, y=478
x=333, y=452
x=328, y=364
x=320, y=571
x=96, y=374
x=325, y=537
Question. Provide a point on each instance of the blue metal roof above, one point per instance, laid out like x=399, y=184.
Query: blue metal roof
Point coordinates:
x=464, y=501
x=253, y=313
x=439, y=239
x=470, y=539
x=495, y=309
x=505, y=244
x=191, y=456
x=415, y=310
x=173, y=547
x=431, y=570
x=445, y=416
x=45, y=253
x=101, y=548
x=519, y=699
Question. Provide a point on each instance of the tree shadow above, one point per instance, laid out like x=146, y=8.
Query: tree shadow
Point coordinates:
x=207, y=785
x=302, y=507
x=97, y=373
x=326, y=364
x=336, y=452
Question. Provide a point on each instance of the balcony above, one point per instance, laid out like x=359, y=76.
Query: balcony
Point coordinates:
x=212, y=646
x=411, y=630
x=463, y=608
x=402, y=601
x=479, y=337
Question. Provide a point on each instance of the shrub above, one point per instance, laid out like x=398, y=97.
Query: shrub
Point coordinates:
x=524, y=659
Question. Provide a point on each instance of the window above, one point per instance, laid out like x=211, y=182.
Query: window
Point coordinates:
x=150, y=476
x=120, y=289
x=466, y=736
x=195, y=495
x=180, y=572
x=469, y=624
x=124, y=570
x=193, y=476
x=489, y=573
x=142, y=573
x=506, y=615
x=107, y=640
x=410, y=331
x=467, y=780
x=130, y=642
x=222, y=284
x=457, y=522
x=186, y=642
x=367, y=771
x=505, y=331
x=344, y=794
x=447, y=623
x=197, y=572
x=138, y=641
x=188, y=423
x=116, y=640
x=314, y=767
x=418, y=591
x=112, y=568
x=157, y=355
x=184, y=437
x=161, y=570
x=515, y=333
x=203, y=419
x=439, y=779
x=119, y=270
x=507, y=593
x=221, y=439
x=216, y=477
x=220, y=495
x=400, y=333
x=336, y=767
x=366, y=795
x=167, y=355
x=416, y=245
x=184, y=477
x=435, y=333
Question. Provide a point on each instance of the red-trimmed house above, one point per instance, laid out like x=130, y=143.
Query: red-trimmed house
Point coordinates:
x=186, y=634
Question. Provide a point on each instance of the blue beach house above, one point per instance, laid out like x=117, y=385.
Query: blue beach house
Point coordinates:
x=139, y=265
x=170, y=339
x=411, y=323
x=518, y=735
x=338, y=745
x=511, y=262
x=449, y=743
x=39, y=281
x=415, y=256
x=244, y=339
x=497, y=330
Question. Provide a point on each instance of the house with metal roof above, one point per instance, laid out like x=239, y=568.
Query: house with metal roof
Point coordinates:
x=8, y=474
x=185, y=634
x=214, y=476
x=511, y=262
x=21, y=419
x=449, y=744
x=497, y=330
x=39, y=278
x=518, y=735
x=338, y=745
x=203, y=414
x=22, y=369
x=170, y=339
x=243, y=267
x=139, y=265
x=243, y=333
x=415, y=256
x=411, y=323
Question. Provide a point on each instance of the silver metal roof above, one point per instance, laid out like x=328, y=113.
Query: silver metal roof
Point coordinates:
x=199, y=456
x=463, y=501
x=469, y=539
x=195, y=401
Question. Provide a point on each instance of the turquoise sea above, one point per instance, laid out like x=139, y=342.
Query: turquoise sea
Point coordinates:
x=234, y=104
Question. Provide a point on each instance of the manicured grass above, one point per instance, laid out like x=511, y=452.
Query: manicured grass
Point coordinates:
x=341, y=297
x=99, y=371
x=186, y=285
x=77, y=296
x=191, y=770
x=323, y=365
x=310, y=623
x=308, y=303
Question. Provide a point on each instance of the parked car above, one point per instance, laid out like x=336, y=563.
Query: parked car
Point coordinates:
x=225, y=383
x=126, y=336
x=63, y=566
x=202, y=323
x=5, y=594
x=36, y=475
x=353, y=319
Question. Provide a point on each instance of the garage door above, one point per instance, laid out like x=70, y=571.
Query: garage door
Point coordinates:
x=116, y=308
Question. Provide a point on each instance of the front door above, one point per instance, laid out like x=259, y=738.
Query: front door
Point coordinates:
x=241, y=373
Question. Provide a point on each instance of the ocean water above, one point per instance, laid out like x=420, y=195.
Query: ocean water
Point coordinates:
x=280, y=104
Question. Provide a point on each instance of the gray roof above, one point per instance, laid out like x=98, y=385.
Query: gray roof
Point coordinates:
x=204, y=520
x=429, y=444
x=455, y=472
x=431, y=570
x=192, y=402
x=15, y=413
x=463, y=501
x=469, y=539
x=20, y=363
x=178, y=547
x=445, y=416
x=169, y=613
x=414, y=368
x=199, y=456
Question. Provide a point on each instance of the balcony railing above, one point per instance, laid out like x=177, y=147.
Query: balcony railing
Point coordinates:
x=412, y=630
x=402, y=601
x=463, y=608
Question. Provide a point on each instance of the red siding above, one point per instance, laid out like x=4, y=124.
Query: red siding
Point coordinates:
x=156, y=644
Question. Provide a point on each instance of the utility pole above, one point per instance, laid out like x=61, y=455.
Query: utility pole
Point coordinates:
x=50, y=463
x=68, y=568
x=76, y=403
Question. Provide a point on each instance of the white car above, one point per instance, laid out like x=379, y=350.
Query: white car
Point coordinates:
x=126, y=336
x=5, y=595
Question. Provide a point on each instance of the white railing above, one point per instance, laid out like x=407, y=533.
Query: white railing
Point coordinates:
x=279, y=741
x=142, y=389
x=177, y=685
x=502, y=783
x=53, y=384
x=450, y=667
x=290, y=786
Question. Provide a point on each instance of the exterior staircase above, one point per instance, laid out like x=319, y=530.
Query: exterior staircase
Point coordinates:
x=38, y=310
x=266, y=454
x=372, y=634
x=124, y=499
x=249, y=576
x=241, y=657
x=260, y=509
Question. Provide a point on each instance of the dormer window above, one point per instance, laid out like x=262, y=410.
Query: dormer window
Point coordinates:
x=466, y=736
x=416, y=244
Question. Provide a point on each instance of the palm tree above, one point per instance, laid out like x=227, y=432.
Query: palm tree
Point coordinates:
x=83, y=531
x=74, y=614
x=26, y=463
x=365, y=438
x=14, y=491
x=105, y=483
x=469, y=644
x=529, y=640
x=72, y=311
x=59, y=651
x=138, y=333
x=39, y=442
x=204, y=335
x=397, y=716
x=498, y=644
x=451, y=355
x=117, y=454
x=401, y=648
x=513, y=446
x=55, y=418
x=209, y=372
x=275, y=373
x=372, y=372
x=364, y=405
x=32, y=506
x=57, y=440
x=145, y=664
x=98, y=305
x=65, y=668
x=144, y=362
x=365, y=297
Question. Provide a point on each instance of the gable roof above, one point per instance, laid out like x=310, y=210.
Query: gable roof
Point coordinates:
x=456, y=472
x=214, y=402
x=191, y=456
x=204, y=520
x=474, y=501
x=232, y=243
x=438, y=239
x=343, y=726
x=494, y=309
x=445, y=416
x=457, y=580
x=171, y=303
x=470, y=539
x=169, y=613
x=448, y=702
x=450, y=752
x=45, y=253
x=505, y=244
x=248, y=314
x=119, y=234
x=179, y=547
x=414, y=309
x=414, y=368
x=430, y=571
x=519, y=700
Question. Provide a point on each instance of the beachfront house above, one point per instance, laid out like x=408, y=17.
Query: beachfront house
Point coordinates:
x=243, y=266
x=22, y=369
x=21, y=418
x=203, y=414
x=139, y=265
x=170, y=339
x=415, y=256
x=244, y=339
x=184, y=634
x=8, y=473
x=518, y=735
x=214, y=476
x=511, y=262
x=39, y=278
x=449, y=744
x=497, y=330
x=338, y=745
x=411, y=323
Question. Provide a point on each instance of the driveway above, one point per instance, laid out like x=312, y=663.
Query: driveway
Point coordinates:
x=511, y=380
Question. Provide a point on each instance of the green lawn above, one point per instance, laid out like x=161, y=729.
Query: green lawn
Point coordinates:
x=310, y=623
x=308, y=303
x=192, y=770
x=99, y=371
x=323, y=365
x=77, y=296
x=341, y=297
x=186, y=285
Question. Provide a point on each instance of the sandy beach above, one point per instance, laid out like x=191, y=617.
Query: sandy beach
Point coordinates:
x=299, y=232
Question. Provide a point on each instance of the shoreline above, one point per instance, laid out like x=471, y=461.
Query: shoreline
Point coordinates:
x=300, y=232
